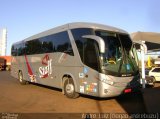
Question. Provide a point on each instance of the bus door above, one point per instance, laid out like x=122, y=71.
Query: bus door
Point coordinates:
x=91, y=65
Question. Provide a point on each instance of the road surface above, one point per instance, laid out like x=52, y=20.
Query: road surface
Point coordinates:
x=31, y=98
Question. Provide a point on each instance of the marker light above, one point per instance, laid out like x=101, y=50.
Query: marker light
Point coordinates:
x=127, y=90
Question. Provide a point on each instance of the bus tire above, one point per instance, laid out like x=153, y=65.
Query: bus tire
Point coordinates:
x=20, y=77
x=69, y=88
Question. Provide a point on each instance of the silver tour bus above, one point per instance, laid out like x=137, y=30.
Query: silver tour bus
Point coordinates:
x=79, y=58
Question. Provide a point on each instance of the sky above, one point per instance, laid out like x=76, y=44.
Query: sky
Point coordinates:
x=24, y=18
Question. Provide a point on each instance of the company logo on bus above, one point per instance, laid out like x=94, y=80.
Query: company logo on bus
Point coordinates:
x=46, y=69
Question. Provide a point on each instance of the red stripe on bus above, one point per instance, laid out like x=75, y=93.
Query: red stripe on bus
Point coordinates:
x=30, y=72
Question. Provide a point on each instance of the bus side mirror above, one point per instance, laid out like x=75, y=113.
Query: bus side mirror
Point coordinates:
x=100, y=41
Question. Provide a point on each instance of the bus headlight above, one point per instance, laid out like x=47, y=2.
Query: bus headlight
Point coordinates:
x=108, y=82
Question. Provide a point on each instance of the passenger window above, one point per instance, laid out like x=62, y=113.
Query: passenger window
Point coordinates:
x=58, y=42
x=33, y=47
x=18, y=49
x=77, y=34
x=88, y=49
x=13, y=51
x=91, y=54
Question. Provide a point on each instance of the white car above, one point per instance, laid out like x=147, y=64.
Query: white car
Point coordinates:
x=155, y=73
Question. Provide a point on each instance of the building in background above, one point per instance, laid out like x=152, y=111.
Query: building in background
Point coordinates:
x=3, y=41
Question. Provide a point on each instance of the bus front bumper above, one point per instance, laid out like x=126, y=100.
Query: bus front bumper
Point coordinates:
x=107, y=90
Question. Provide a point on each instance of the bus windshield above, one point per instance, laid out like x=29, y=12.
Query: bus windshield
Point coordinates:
x=119, y=57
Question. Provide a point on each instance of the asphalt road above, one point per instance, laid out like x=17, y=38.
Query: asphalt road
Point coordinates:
x=31, y=98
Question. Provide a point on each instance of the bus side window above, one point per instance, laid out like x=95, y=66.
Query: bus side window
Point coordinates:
x=91, y=58
x=13, y=51
x=18, y=49
x=58, y=42
x=62, y=43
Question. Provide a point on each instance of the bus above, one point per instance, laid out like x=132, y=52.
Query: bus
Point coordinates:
x=78, y=58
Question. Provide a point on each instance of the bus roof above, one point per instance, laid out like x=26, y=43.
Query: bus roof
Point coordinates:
x=95, y=26
x=73, y=26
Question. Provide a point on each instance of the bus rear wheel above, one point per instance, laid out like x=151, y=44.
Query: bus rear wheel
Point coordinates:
x=69, y=88
x=20, y=77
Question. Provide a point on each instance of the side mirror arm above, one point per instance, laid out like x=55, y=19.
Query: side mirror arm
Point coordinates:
x=99, y=40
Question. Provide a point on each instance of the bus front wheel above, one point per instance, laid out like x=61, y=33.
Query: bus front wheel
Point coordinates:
x=20, y=77
x=69, y=88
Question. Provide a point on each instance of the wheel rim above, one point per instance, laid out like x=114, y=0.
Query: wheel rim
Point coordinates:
x=69, y=88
